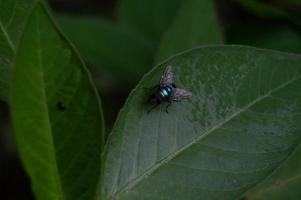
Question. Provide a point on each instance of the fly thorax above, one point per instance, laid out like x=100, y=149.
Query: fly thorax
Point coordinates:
x=165, y=92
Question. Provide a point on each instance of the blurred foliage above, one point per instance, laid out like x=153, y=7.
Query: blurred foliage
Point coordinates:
x=108, y=46
x=195, y=24
x=267, y=10
x=274, y=25
x=151, y=18
x=287, y=38
x=129, y=44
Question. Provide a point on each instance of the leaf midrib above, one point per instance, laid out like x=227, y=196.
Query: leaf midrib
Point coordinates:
x=49, y=131
x=165, y=160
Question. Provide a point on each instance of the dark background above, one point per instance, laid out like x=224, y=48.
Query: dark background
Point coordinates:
x=239, y=25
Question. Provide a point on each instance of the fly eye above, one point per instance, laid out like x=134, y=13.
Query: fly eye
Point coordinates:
x=61, y=105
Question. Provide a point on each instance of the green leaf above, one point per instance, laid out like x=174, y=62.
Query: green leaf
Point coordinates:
x=148, y=17
x=55, y=112
x=12, y=17
x=109, y=47
x=284, y=183
x=278, y=37
x=240, y=125
x=196, y=24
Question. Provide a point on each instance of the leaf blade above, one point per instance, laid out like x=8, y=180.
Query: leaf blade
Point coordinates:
x=12, y=20
x=56, y=113
x=282, y=183
x=142, y=162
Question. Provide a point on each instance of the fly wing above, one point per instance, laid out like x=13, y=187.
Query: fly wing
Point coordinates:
x=166, y=78
x=180, y=94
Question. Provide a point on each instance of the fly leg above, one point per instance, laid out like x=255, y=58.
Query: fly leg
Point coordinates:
x=166, y=108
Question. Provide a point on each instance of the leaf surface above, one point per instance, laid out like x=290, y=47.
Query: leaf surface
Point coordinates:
x=12, y=19
x=284, y=182
x=56, y=114
x=241, y=125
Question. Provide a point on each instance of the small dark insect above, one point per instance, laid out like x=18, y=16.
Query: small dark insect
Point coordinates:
x=167, y=91
x=61, y=105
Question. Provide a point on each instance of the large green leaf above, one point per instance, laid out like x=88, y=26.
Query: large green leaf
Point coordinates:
x=151, y=18
x=12, y=18
x=241, y=124
x=196, y=24
x=55, y=112
x=108, y=47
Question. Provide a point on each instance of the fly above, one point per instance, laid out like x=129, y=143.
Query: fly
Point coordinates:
x=167, y=91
